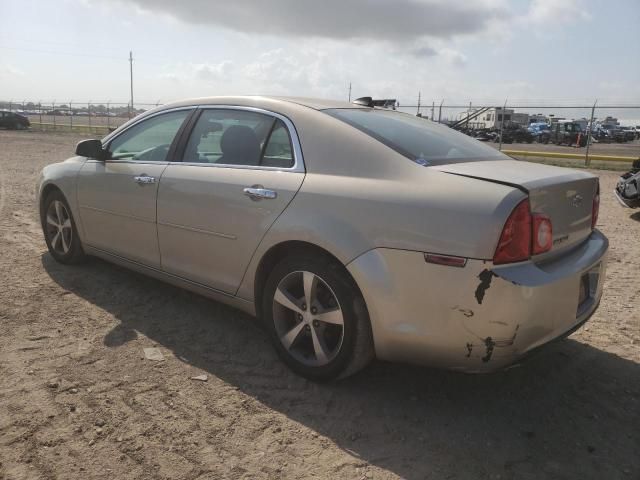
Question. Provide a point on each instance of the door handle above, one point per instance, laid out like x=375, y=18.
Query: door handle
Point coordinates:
x=144, y=179
x=258, y=192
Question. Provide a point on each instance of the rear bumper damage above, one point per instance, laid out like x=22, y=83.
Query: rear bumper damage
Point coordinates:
x=480, y=317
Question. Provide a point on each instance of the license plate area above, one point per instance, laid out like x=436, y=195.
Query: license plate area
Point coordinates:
x=588, y=289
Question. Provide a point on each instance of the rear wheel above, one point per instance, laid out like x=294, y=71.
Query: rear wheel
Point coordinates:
x=317, y=318
x=59, y=229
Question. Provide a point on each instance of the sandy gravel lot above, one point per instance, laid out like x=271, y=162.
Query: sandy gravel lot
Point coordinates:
x=78, y=400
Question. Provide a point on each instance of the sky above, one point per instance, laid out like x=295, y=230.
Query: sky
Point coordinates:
x=535, y=51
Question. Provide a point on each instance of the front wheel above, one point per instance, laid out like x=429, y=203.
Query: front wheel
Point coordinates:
x=317, y=318
x=60, y=231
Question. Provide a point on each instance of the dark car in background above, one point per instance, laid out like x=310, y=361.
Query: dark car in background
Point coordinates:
x=13, y=120
x=514, y=134
x=567, y=132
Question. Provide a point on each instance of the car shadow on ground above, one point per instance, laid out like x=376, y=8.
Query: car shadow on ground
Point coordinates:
x=558, y=414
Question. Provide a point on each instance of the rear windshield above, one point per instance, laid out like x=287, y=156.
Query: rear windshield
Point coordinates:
x=420, y=140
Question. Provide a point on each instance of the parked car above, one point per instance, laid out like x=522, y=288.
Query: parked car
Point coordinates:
x=629, y=133
x=13, y=120
x=540, y=132
x=351, y=232
x=628, y=187
x=614, y=134
x=514, y=134
x=568, y=133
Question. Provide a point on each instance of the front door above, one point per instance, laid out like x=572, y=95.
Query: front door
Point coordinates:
x=239, y=173
x=117, y=197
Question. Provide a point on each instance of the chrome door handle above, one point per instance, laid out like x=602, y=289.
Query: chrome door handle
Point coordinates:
x=144, y=179
x=258, y=192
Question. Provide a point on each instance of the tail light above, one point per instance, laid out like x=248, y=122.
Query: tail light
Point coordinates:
x=515, y=241
x=523, y=234
x=542, y=234
x=596, y=207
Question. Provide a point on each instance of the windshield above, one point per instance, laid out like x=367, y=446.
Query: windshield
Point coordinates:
x=420, y=140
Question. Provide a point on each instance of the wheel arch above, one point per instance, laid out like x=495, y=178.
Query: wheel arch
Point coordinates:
x=46, y=191
x=284, y=249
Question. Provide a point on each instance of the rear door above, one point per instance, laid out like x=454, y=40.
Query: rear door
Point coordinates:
x=117, y=197
x=241, y=168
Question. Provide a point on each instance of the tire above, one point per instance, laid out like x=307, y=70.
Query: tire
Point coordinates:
x=321, y=348
x=60, y=230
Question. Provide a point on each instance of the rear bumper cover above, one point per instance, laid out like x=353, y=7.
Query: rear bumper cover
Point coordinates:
x=481, y=317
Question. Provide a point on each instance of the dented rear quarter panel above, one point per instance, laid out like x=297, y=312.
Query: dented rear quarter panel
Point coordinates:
x=477, y=318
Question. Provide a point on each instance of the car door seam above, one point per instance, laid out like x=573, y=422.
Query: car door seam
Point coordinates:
x=265, y=234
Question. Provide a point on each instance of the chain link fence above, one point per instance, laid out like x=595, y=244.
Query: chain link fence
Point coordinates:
x=82, y=117
x=600, y=123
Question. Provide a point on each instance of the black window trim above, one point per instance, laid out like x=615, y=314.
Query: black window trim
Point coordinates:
x=298, y=160
x=172, y=148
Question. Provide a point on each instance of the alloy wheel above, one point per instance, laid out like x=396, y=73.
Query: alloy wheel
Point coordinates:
x=58, y=227
x=308, y=318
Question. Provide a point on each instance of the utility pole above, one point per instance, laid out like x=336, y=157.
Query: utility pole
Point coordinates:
x=502, y=122
x=440, y=111
x=468, y=115
x=131, y=80
x=587, y=160
x=433, y=106
x=349, y=92
x=418, y=112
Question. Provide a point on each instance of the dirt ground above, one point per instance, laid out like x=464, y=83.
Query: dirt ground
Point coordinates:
x=79, y=400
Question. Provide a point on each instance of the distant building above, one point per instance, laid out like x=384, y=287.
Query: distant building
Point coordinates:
x=490, y=118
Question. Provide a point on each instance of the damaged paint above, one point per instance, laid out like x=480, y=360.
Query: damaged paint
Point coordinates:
x=467, y=312
x=485, y=282
x=489, y=343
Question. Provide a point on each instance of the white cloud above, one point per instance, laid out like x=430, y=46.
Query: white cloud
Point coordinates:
x=453, y=57
x=8, y=71
x=553, y=12
x=213, y=72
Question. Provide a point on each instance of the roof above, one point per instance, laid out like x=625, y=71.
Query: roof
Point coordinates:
x=314, y=103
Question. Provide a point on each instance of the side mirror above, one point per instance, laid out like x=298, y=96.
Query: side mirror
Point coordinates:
x=91, y=149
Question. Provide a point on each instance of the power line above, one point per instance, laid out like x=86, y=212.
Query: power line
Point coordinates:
x=49, y=52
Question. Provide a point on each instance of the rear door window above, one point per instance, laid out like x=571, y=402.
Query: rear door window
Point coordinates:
x=239, y=137
x=420, y=140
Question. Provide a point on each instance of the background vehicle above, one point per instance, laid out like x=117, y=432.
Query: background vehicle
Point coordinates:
x=513, y=133
x=540, y=132
x=13, y=121
x=628, y=188
x=629, y=133
x=350, y=231
x=567, y=133
x=614, y=134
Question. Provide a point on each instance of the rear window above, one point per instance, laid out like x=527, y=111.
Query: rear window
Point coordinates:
x=420, y=140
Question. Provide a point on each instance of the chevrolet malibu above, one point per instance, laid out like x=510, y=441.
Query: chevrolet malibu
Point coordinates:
x=352, y=232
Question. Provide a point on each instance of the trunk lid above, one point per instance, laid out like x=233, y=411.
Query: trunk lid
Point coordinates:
x=564, y=195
